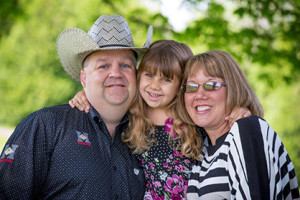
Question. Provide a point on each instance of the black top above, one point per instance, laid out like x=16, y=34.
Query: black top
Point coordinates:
x=63, y=153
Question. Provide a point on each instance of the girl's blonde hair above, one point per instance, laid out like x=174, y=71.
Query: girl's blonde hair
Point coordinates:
x=221, y=64
x=167, y=57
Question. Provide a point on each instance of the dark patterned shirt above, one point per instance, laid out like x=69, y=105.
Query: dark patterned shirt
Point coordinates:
x=166, y=170
x=63, y=153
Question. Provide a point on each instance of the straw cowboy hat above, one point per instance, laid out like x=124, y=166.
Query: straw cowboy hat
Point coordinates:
x=108, y=32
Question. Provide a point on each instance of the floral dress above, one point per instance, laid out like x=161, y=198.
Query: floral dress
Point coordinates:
x=166, y=170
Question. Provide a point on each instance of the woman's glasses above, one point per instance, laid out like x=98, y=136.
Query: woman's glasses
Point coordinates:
x=208, y=86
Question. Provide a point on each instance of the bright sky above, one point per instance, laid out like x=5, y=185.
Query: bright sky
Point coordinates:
x=178, y=14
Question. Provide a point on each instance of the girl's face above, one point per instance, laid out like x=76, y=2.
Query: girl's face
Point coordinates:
x=158, y=91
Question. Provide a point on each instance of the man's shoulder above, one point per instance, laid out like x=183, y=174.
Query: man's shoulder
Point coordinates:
x=56, y=112
x=56, y=108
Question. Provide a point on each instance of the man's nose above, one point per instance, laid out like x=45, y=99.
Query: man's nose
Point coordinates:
x=115, y=71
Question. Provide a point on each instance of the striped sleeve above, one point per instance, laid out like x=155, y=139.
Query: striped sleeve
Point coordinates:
x=258, y=163
x=238, y=179
x=194, y=185
x=283, y=181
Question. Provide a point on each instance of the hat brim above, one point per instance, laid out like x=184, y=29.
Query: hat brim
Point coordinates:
x=74, y=44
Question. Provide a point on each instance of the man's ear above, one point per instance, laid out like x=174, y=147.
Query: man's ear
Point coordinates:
x=83, y=78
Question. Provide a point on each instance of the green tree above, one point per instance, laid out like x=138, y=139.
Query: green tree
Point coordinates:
x=9, y=12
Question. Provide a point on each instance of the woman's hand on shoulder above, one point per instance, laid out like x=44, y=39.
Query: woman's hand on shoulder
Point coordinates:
x=80, y=101
x=236, y=114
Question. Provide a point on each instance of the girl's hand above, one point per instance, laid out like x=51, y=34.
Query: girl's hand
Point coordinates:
x=80, y=101
x=236, y=114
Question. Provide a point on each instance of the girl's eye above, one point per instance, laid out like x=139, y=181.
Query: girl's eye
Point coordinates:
x=166, y=80
x=148, y=75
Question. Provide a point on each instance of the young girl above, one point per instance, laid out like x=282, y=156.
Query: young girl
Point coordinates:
x=165, y=146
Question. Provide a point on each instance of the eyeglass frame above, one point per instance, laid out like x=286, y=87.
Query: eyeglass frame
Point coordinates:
x=203, y=84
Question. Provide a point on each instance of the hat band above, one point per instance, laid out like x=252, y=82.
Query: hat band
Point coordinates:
x=117, y=45
x=109, y=45
x=114, y=45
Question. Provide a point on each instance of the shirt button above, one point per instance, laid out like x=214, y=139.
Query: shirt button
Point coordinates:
x=114, y=168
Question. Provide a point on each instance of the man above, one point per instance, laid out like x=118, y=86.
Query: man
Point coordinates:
x=63, y=153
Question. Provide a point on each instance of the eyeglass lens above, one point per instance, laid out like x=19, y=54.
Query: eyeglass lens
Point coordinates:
x=209, y=86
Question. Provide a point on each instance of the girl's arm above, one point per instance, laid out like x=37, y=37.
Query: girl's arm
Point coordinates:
x=80, y=101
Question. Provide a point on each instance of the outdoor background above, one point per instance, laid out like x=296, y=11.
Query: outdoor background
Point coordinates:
x=263, y=35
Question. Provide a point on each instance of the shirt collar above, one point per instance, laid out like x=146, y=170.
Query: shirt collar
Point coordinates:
x=95, y=115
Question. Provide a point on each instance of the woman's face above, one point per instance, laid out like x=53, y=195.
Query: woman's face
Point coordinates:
x=206, y=108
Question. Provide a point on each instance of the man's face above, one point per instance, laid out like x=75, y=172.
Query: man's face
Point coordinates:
x=109, y=78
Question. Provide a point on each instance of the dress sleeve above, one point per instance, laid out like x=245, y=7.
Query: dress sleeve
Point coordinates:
x=25, y=159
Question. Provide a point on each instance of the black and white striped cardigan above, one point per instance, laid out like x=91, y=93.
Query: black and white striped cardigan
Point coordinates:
x=253, y=162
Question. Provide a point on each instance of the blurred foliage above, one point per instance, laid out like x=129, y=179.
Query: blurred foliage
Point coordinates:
x=10, y=11
x=263, y=35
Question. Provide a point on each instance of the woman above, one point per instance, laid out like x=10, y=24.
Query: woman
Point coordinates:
x=247, y=161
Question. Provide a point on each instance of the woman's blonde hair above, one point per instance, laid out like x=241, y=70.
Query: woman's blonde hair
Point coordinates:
x=167, y=57
x=221, y=64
